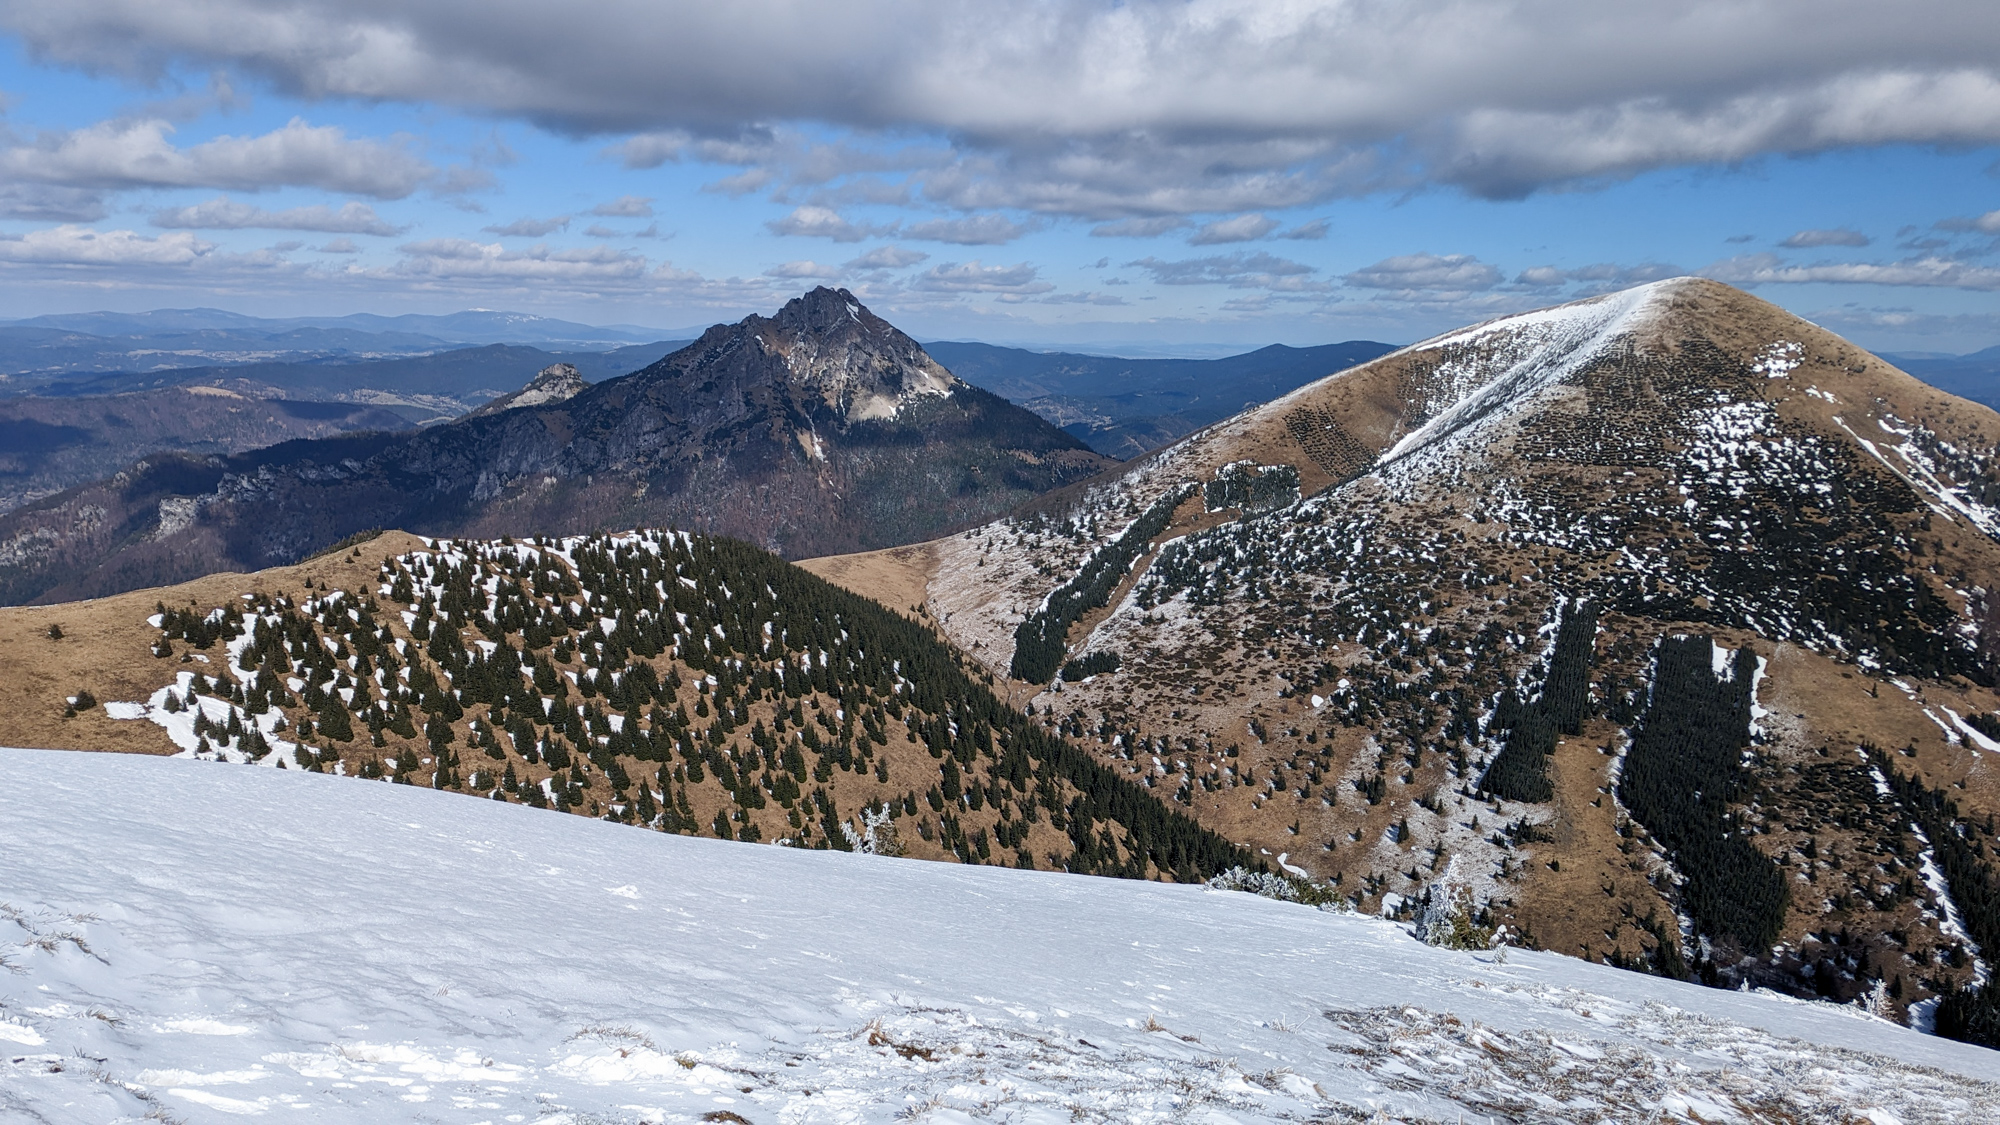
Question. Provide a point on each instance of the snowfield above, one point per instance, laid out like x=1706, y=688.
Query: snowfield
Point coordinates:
x=193, y=941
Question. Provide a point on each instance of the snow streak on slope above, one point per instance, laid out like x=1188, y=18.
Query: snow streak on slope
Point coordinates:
x=1531, y=353
x=189, y=942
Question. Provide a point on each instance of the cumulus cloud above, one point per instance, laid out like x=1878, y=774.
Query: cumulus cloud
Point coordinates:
x=223, y=213
x=1811, y=239
x=599, y=230
x=529, y=228
x=1111, y=110
x=1305, y=231
x=339, y=246
x=1240, y=270
x=972, y=277
x=824, y=222
x=81, y=246
x=887, y=258
x=1759, y=269
x=115, y=155
x=1458, y=273
x=1150, y=227
x=1241, y=228
x=626, y=207
x=973, y=230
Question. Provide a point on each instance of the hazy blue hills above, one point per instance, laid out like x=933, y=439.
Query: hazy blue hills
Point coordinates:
x=1124, y=407
x=1975, y=376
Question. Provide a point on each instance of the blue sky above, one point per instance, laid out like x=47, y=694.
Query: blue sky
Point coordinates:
x=1145, y=175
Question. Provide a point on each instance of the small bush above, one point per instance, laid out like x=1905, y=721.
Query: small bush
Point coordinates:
x=1447, y=919
x=1284, y=888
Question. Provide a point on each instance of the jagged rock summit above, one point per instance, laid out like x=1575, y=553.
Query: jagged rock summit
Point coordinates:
x=1662, y=609
x=859, y=364
x=558, y=382
x=818, y=430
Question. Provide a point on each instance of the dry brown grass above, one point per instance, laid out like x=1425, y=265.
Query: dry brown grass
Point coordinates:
x=105, y=648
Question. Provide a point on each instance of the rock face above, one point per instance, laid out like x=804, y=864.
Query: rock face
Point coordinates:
x=558, y=382
x=819, y=430
x=1414, y=627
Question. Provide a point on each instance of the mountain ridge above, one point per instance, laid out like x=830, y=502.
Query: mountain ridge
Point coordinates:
x=820, y=429
x=1329, y=635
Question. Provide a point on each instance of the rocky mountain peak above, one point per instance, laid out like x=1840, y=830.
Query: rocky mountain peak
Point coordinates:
x=558, y=382
x=859, y=364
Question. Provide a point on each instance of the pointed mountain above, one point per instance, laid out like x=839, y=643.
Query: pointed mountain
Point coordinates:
x=1665, y=604
x=558, y=382
x=818, y=430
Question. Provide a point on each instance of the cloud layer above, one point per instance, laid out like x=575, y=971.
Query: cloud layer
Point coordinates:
x=223, y=213
x=1108, y=111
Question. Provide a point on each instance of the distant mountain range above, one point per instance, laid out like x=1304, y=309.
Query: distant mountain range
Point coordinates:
x=1124, y=407
x=39, y=352
x=821, y=429
x=1975, y=376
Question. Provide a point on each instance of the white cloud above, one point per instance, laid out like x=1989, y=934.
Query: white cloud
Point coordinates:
x=650, y=150
x=887, y=258
x=804, y=269
x=1305, y=232
x=824, y=222
x=1242, y=228
x=1811, y=239
x=339, y=246
x=51, y=203
x=1240, y=270
x=1759, y=269
x=626, y=207
x=1602, y=277
x=117, y=155
x=82, y=246
x=1989, y=223
x=599, y=230
x=972, y=277
x=463, y=259
x=1458, y=273
x=1150, y=227
x=1111, y=110
x=223, y=213
x=973, y=230
x=529, y=228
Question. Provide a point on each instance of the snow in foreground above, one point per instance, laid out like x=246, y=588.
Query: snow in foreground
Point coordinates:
x=198, y=942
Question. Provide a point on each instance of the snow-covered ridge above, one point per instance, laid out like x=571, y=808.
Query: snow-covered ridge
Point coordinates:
x=1504, y=363
x=256, y=943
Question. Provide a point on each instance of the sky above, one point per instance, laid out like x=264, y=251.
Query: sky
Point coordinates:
x=1197, y=174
